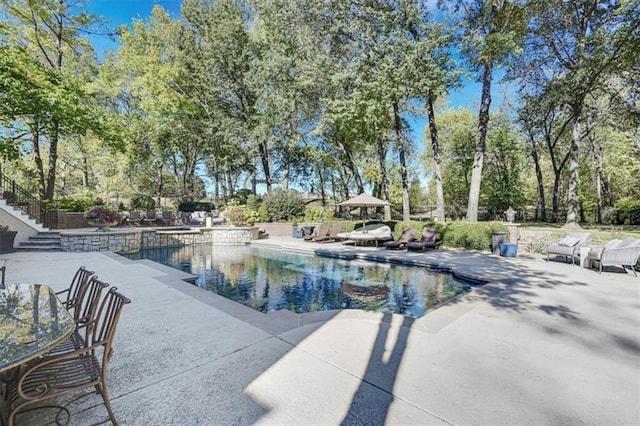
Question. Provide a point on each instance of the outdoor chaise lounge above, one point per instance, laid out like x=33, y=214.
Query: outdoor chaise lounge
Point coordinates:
x=318, y=232
x=427, y=241
x=616, y=253
x=370, y=233
x=334, y=230
x=407, y=236
x=569, y=245
x=198, y=217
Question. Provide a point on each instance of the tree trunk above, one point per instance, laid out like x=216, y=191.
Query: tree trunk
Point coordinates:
x=406, y=208
x=264, y=158
x=572, y=197
x=478, y=158
x=437, y=159
x=540, y=179
x=35, y=139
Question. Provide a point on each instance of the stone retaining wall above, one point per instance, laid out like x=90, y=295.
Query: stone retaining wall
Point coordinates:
x=130, y=240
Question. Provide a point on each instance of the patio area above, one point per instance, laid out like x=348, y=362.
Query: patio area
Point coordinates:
x=542, y=343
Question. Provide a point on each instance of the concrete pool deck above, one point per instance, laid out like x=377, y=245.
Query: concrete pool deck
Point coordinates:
x=542, y=343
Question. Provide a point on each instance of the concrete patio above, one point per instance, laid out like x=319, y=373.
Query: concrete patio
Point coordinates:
x=542, y=343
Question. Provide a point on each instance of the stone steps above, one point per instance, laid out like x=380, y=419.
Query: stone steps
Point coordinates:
x=43, y=241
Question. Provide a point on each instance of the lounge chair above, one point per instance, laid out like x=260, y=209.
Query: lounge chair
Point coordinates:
x=321, y=231
x=169, y=218
x=332, y=236
x=370, y=233
x=569, y=245
x=407, y=236
x=134, y=218
x=151, y=218
x=427, y=241
x=616, y=253
x=198, y=217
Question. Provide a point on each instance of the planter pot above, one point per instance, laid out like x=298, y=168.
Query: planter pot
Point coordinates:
x=6, y=241
x=103, y=226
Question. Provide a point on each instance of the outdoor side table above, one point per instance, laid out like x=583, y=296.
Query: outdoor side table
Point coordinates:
x=584, y=257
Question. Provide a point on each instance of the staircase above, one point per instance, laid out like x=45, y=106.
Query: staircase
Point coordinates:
x=44, y=241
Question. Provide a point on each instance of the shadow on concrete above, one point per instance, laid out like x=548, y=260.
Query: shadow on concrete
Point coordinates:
x=381, y=372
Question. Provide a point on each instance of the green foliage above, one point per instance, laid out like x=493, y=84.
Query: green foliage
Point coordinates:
x=193, y=206
x=76, y=204
x=468, y=235
x=143, y=202
x=252, y=202
x=241, y=215
x=284, y=205
x=314, y=213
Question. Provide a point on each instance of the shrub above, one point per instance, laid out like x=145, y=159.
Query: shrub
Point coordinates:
x=315, y=213
x=75, y=204
x=193, y=206
x=252, y=202
x=284, y=205
x=240, y=215
x=143, y=202
x=468, y=235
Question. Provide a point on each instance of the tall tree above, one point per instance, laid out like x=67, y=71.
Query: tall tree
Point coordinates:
x=491, y=33
x=52, y=34
x=584, y=43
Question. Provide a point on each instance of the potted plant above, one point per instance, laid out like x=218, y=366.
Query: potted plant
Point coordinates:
x=102, y=216
x=7, y=237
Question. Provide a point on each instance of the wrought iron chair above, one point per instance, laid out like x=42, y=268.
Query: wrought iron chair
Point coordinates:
x=73, y=292
x=84, y=313
x=73, y=371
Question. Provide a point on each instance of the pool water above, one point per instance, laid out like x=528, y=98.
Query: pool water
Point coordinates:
x=268, y=280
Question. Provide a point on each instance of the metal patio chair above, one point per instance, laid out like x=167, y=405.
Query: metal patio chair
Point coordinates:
x=84, y=313
x=73, y=371
x=73, y=292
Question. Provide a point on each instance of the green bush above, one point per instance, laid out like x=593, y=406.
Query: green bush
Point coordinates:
x=468, y=235
x=284, y=205
x=194, y=206
x=252, y=202
x=476, y=236
x=315, y=213
x=143, y=202
x=75, y=204
x=240, y=215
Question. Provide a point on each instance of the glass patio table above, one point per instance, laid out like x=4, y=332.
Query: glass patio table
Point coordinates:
x=33, y=320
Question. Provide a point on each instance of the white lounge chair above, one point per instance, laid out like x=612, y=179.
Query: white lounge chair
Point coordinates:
x=569, y=245
x=616, y=253
x=369, y=233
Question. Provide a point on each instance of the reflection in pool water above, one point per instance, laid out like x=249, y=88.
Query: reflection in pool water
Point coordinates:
x=268, y=280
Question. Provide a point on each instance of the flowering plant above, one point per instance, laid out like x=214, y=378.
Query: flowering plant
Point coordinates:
x=101, y=213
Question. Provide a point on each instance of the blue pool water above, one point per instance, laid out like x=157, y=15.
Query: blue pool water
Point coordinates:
x=268, y=280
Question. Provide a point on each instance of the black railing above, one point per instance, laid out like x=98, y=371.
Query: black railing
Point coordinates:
x=18, y=197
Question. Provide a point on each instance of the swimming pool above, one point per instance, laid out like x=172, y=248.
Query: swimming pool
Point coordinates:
x=268, y=280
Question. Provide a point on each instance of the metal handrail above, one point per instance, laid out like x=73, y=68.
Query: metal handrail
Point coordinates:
x=20, y=198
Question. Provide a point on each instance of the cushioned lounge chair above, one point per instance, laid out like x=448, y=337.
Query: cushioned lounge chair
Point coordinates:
x=334, y=230
x=427, y=241
x=407, y=236
x=375, y=233
x=318, y=232
x=133, y=218
x=616, y=253
x=569, y=245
